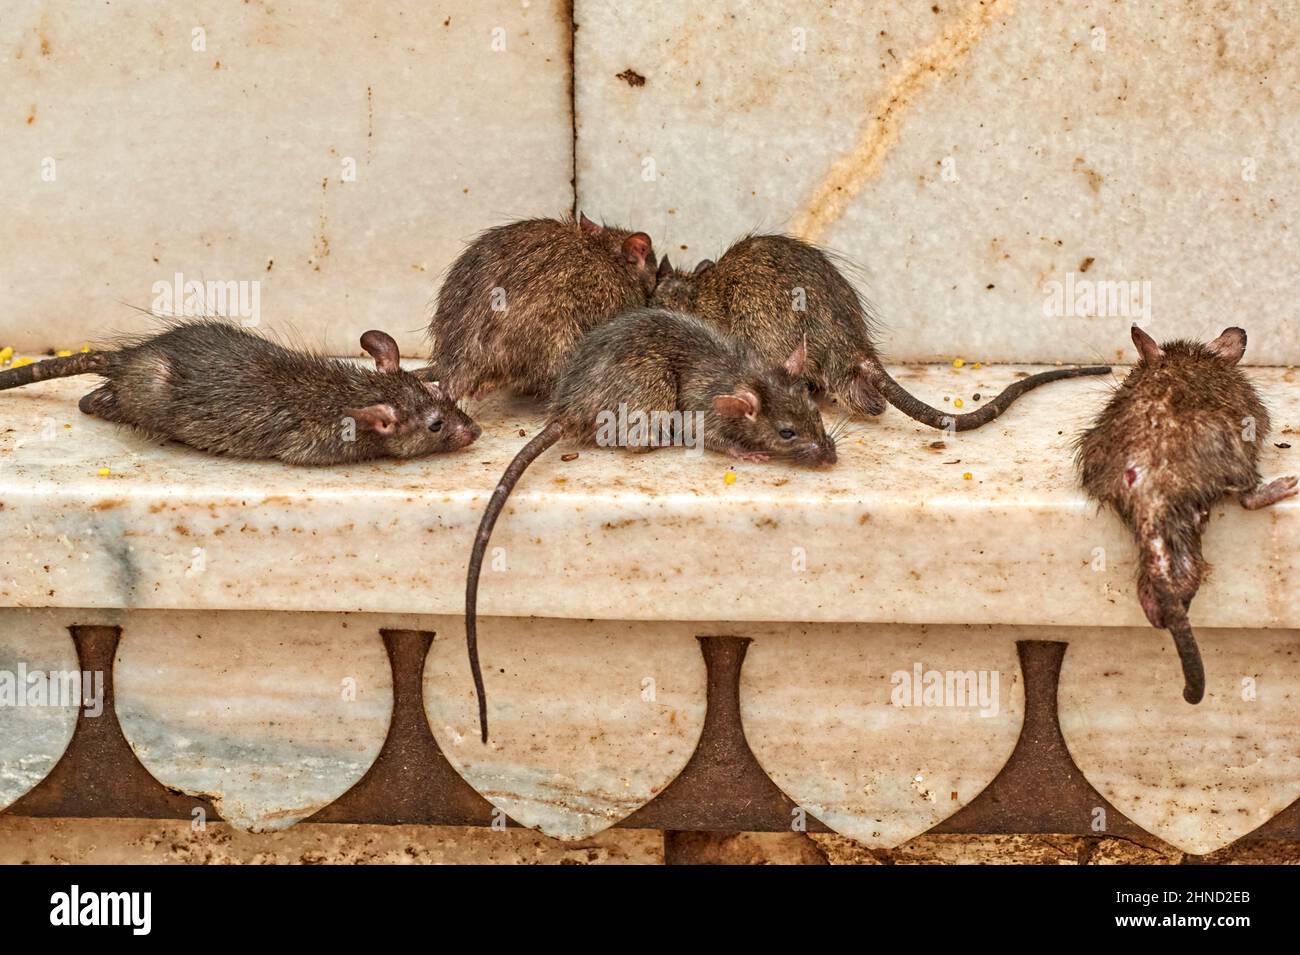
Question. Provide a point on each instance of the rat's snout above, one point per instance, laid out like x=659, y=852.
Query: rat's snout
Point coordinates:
x=466, y=434
x=820, y=454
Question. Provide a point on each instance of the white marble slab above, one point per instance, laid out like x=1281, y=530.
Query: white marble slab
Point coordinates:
x=588, y=720
x=965, y=154
x=35, y=726
x=273, y=716
x=893, y=533
x=881, y=732
x=1199, y=776
x=337, y=155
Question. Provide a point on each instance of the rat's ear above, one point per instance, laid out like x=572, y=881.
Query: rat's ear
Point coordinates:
x=381, y=419
x=665, y=268
x=1146, y=345
x=435, y=388
x=1230, y=346
x=636, y=249
x=798, y=359
x=742, y=403
x=383, y=350
x=703, y=266
x=589, y=227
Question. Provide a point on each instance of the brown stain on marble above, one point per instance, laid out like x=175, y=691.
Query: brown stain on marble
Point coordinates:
x=914, y=77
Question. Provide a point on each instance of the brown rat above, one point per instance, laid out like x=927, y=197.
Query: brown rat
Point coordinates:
x=225, y=390
x=517, y=300
x=658, y=361
x=1182, y=431
x=775, y=290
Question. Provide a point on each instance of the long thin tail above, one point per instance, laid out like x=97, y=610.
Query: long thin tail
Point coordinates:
x=1175, y=619
x=529, y=453
x=918, y=410
x=83, y=364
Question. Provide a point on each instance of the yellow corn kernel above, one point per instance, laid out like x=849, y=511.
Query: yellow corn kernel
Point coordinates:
x=730, y=478
x=104, y=472
x=6, y=353
x=19, y=362
x=958, y=362
x=63, y=353
x=958, y=402
x=978, y=365
x=86, y=348
x=967, y=476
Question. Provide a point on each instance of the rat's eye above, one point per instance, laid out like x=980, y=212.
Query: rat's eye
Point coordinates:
x=786, y=433
x=435, y=425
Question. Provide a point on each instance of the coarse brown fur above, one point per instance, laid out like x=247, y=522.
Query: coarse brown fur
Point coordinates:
x=515, y=303
x=655, y=361
x=1183, y=430
x=225, y=390
x=774, y=291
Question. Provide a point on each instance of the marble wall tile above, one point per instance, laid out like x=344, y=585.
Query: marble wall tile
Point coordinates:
x=231, y=162
x=875, y=730
x=1199, y=776
x=965, y=155
x=271, y=715
x=37, y=717
x=588, y=720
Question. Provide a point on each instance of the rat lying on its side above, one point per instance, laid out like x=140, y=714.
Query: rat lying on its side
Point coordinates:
x=655, y=361
x=221, y=389
x=1182, y=431
x=774, y=291
x=518, y=299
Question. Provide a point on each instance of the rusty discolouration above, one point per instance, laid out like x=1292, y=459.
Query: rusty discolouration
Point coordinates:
x=913, y=78
x=631, y=77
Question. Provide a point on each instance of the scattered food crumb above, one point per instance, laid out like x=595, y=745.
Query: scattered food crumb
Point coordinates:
x=85, y=349
x=6, y=353
x=729, y=477
x=104, y=472
x=63, y=353
x=938, y=445
x=571, y=456
x=958, y=402
x=1283, y=445
x=966, y=476
x=958, y=362
x=631, y=77
x=975, y=397
x=523, y=433
x=978, y=365
x=19, y=362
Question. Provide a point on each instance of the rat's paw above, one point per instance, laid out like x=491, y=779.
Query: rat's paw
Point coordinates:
x=1270, y=493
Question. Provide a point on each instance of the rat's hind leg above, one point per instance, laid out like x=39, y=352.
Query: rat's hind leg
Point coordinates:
x=1270, y=493
x=102, y=403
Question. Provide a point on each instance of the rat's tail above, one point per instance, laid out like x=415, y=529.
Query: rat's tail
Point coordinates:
x=529, y=453
x=83, y=364
x=917, y=410
x=1169, y=574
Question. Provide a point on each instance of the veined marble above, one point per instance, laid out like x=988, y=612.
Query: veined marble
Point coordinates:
x=912, y=525
x=881, y=732
x=966, y=155
x=1199, y=776
x=588, y=720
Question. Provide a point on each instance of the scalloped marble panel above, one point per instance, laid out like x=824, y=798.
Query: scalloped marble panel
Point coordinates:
x=337, y=154
x=822, y=710
x=1199, y=776
x=271, y=715
x=588, y=720
x=33, y=738
x=965, y=154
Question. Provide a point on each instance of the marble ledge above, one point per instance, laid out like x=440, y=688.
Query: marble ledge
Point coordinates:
x=912, y=526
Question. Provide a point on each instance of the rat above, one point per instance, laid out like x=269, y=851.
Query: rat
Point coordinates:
x=1182, y=431
x=518, y=299
x=774, y=290
x=225, y=390
x=655, y=361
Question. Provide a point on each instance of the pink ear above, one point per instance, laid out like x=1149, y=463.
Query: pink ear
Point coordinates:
x=381, y=419
x=798, y=359
x=588, y=226
x=383, y=350
x=1230, y=346
x=1146, y=345
x=636, y=249
x=742, y=404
